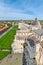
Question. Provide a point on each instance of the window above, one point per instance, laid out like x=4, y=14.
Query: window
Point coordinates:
x=34, y=58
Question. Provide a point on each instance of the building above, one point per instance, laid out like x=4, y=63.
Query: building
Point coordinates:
x=29, y=40
x=39, y=55
x=23, y=34
x=35, y=25
x=33, y=51
x=30, y=51
x=39, y=34
x=17, y=46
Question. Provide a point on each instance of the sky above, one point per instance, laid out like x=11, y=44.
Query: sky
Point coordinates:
x=21, y=9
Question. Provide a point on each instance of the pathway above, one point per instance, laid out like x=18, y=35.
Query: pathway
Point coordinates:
x=13, y=59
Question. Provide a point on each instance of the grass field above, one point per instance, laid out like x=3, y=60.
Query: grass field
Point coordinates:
x=7, y=39
x=3, y=54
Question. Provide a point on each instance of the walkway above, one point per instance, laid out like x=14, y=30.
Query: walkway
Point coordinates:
x=13, y=59
x=6, y=50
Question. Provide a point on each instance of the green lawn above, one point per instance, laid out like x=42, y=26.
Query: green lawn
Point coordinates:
x=7, y=39
x=3, y=54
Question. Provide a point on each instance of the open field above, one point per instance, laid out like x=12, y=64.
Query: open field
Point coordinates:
x=7, y=39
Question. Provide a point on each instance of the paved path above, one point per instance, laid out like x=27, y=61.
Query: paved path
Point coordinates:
x=5, y=50
x=6, y=32
x=13, y=59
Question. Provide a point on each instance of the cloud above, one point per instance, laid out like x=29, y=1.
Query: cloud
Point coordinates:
x=20, y=9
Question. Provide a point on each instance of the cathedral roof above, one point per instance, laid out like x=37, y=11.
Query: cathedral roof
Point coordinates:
x=36, y=23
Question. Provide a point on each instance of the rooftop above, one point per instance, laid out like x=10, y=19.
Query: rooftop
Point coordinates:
x=39, y=31
x=36, y=23
x=23, y=31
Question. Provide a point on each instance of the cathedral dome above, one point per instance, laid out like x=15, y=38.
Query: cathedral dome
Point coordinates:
x=36, y=23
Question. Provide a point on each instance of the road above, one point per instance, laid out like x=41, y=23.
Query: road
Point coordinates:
x=5, y=32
